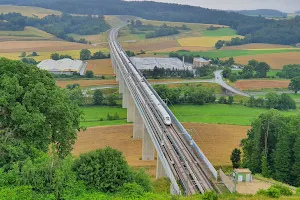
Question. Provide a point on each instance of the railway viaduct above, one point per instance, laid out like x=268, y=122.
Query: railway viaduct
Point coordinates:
x=178, y=156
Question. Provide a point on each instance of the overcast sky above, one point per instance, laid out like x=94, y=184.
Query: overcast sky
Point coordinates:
x=282, y=5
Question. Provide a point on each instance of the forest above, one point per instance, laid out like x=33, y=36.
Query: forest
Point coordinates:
x=12, y=22
x=257, y=29
x=262, y=12
x=272, y=147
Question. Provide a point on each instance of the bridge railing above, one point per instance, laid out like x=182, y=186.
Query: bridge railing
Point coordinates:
x=187, y=136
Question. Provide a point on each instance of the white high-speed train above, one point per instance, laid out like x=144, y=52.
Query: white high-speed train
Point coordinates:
x=166, y=117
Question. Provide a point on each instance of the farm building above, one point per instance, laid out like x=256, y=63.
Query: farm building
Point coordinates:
x=63, y=66
x=200, y=62
x=167, y=63
x=243, y=175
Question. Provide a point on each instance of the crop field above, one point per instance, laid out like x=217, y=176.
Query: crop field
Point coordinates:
x=86, y=83
x=220, y=32
x=46, y=55
x=257, y=46
x=261, y=84
x=101, y=67
x=28, y=10
x=207, y=136
x=41, y=46
x=206, y=41
x=275, y=60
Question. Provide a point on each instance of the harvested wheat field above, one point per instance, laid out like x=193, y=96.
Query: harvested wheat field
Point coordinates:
x=261, y=84
x=185, y=49
x=275, y=60
x=28, y=10
x=150, y=45
x=101, y=67
x=86, y=83
x=206, y=41
x=40, y=46
x=216, y=141
x=257, y=46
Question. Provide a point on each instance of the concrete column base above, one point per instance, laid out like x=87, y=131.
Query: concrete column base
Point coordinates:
x=125, y=97
x=148, y=148
x=138, y=127
x=160, y=171
x=130, y=109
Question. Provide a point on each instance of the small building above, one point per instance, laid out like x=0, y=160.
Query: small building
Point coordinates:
x=298, y=45
x=63, y=66
x=200, y=62
x=243, y=175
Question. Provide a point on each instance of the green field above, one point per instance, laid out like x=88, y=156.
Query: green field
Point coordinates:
x=211, y=114
x=232, y=53
x=28, y=32
x=273, y=72
x=220, y=32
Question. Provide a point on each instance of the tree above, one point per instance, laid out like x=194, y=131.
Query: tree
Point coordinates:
x=261, y=69
x=85, y=54
x=296, y=165
x=30, y=61
x=253, y=63
x=54, y=56
x=236, y=158
x=98, y=97
x=286, y=102
x=76, y=94
x=272, y=100
x=35, y=110
x=89, y=74
x=219, y=44
x=23, y=54
x=226, y=72
x=105, y=170
x=34, y=54
x=233, y=77
x=230, y=100
x=112, y=99
x=247, y=72
x=295, y=84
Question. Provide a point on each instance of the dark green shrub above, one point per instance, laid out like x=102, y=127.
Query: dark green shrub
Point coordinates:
x=273, y=192
x=143, y=179
x=131, y=191
x=210, y=195
x=285, y=191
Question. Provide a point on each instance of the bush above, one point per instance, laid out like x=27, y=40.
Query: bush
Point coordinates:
x=143, y=179
x=285, y=191
x=210, y=195
x=273, y=192
x=131, y=191
x=298, y=192
x=161, y=185
x=262, y=192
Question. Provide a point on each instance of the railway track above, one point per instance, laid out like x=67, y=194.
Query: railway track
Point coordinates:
x=182, y=160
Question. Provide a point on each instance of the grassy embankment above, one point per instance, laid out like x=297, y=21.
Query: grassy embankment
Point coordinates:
x=210, y=113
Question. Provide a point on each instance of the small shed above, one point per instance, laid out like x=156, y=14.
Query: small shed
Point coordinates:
x=200, y=62
x=243, y=175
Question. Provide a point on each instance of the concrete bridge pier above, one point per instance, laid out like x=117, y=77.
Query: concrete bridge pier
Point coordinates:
x=138, y=126
x=118, y=74
x=148, y=149
x=121, y=85
x=160, y=171
x=130, y=109
x=113, y=62
x=126, y=93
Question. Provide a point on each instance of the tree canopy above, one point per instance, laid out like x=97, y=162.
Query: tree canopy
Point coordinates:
x=34, y=110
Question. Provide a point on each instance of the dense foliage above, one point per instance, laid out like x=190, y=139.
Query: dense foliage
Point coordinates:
x=151, y=31
x=295, y=84
x=256, y=29
x=166, y=73
x=272, y=147
x=12, y=22
x=193, y=94
x=58, y=25
x=289, y=71
x=34, y=109
x=272, y=100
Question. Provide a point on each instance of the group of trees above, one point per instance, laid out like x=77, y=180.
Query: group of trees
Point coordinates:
x=12, y=22
x=272, y=147
x=151, y=31
x=289, y=71
x=97, y=97
x=255, y=69
x=165, y=73
x=86, y=54
x=58, y=25
x=197, y=94
x=56, y=56
x=273, y=100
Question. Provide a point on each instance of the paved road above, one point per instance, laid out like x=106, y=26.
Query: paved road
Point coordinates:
x=219, y=80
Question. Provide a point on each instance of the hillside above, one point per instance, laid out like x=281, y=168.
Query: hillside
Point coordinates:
x=262, y=12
